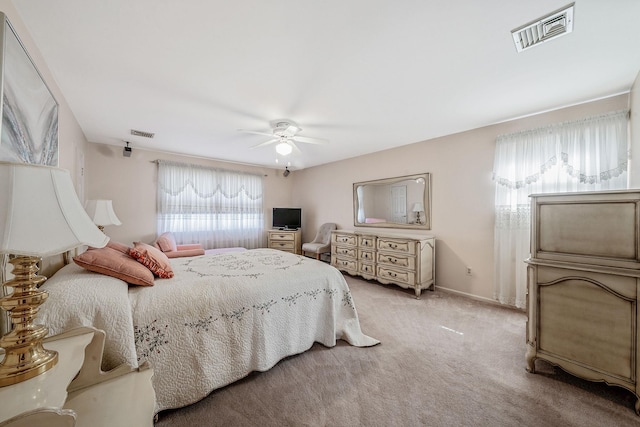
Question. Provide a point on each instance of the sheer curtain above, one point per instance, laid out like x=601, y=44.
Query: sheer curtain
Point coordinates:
x=214, y=207
x=583, y=155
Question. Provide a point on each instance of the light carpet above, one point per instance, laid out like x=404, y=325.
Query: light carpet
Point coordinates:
x=444, y=360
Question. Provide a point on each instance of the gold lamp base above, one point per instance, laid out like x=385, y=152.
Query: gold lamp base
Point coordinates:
x=25, y=357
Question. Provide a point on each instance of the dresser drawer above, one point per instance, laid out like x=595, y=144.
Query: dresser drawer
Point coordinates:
x=282, y=236
x=366, y=270
x=282, y=245
x=397, y=245
x=345, y=264
x=367, y=241
x=366, y=255
x=396, y=260
x=345, y=239
x=345, y=251
x=392, y=275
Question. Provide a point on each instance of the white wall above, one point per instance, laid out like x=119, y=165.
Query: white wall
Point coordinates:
x=462, y=192
x=71, y=139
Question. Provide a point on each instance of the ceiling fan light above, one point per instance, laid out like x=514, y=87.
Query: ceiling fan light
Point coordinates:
x=283, y=149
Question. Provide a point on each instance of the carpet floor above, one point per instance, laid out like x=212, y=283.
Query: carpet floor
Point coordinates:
x=444, y=360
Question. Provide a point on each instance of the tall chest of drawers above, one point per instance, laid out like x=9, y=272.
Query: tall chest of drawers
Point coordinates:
x=399, y=259
x=584, y=286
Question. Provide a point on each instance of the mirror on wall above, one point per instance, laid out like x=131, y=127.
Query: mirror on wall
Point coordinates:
x=400, y=202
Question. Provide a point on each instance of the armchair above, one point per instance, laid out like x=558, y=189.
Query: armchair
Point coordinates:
x=322, y=242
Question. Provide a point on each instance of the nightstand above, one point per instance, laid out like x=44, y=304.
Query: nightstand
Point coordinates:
x=75, y=392
x=286, y=240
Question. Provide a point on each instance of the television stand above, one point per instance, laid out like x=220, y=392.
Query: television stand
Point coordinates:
x=288, y=240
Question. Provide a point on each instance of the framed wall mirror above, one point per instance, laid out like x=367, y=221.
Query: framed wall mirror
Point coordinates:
x=400, y=202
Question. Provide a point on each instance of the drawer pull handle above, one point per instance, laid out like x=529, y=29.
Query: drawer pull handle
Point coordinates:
x=391, y=260
x=392, y=274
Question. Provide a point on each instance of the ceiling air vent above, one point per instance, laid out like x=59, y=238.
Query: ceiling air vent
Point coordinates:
x=554, y=25
x=141, y=133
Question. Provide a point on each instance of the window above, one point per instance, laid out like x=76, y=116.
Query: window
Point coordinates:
x=583, y=155
x=214, y=207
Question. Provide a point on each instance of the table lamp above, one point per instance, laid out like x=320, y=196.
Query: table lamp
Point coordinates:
x=40, y=216
x=101, y=213
x=417, y=208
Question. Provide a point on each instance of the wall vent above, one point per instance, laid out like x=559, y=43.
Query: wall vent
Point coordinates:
x=141, y=133
x=551, y=26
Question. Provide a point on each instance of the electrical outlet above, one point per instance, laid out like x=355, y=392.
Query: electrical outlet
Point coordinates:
x=468, y=271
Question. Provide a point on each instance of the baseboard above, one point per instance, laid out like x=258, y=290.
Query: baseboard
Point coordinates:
x=476, y=297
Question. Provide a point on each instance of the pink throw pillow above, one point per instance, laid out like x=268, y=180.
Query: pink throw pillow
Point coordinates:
x=114, y=263
x=184, y=253
x=120, y=247
x=166, y=242
x=153, y=259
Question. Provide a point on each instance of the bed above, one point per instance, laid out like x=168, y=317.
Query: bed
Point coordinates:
x=219, y=318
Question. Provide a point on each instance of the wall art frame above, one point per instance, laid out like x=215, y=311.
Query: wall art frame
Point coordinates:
x=29, y=131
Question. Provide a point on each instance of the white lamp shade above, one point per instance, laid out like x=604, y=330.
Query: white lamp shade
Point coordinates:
x=284, y=149
x=418, y=207
x=40, y=213
x=101, y=212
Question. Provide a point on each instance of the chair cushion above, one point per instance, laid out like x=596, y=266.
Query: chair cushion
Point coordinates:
x=316, y=247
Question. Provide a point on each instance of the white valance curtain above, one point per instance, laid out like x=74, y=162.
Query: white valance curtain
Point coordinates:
x=214, y=207
x=583, y=155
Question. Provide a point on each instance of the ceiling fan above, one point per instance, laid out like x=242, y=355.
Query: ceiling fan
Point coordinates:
x=285, y=133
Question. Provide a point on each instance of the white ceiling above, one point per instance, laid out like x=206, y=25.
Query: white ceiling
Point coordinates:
x=366, y=74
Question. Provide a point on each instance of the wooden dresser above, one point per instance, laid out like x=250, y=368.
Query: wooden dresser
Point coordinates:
x=401, y=259
x=286, y=240
x=584, y=285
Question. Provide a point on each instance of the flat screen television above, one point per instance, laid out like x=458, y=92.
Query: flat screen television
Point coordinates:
x=287, y=218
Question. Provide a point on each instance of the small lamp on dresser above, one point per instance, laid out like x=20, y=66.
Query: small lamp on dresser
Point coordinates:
x=40, y=216
x=101, y=213
x=417, y=208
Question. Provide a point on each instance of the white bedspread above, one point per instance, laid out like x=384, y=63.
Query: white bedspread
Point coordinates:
x=220, y=318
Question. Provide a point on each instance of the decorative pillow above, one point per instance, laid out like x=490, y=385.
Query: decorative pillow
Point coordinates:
x=153, y=259
x=120, y=247
x=167, y=242
x=184, y=253
x=114, y=263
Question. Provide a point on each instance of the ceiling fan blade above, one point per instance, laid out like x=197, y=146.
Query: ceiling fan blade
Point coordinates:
x=309, y=140
x=291, y=130
x=293, y=145
x=256, y=132
x=271, y=141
